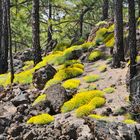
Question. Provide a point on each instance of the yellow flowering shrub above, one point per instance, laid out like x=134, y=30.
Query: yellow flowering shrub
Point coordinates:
x=129, y=121
x=97, y=117
x=95, y=55
x=87, y=108
x=100, y=35
x=97, y=102
x=84, y=110
x=41, y=119
x=39, y=99
x=102, y=68
x=110, y=43
x=71, y=84
x=5, y=79
x=64, y=74
x=101, y=23
x=80, y=99
x=28, y=65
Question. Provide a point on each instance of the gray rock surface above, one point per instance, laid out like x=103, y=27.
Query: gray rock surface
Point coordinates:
x=56, y=96
x=42, y=75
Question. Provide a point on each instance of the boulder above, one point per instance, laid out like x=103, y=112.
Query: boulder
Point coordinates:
x=7, y=110
x=20, y=99
x=43, y=75
x=75, y=54
x=27, y=55
x=56, y=96
x=102, y=130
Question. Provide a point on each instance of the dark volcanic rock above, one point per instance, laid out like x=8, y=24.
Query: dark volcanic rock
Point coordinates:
x=15, y=130
x=42, y=75
x=56, y=96
x=75, y=54
x=18, y=64
x=20, y=99
x=26, y=55
x=7, y=110
x=102, y=130
x=1, y=88
x=29, y=135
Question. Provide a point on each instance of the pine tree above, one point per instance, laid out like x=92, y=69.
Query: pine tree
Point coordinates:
x=118, y=52
x=4, y=39
x=105, y=9
x=36, y=32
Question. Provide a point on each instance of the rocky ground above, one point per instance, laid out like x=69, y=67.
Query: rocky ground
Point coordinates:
x=16, y=104
x=16, y=109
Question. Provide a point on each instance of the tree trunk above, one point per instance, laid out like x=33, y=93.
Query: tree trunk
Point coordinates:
x=118, y=52
x=10, y=41
x=36, y=32
x=49, y=45
x=138, y=8
x=4, y=40
x=49, y=19
x=81, y=23
x=105, y=9
x=134, y=73
x=132, y=38
x=0, y=27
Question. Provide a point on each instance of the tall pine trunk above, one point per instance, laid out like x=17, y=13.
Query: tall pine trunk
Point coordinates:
x=134, y=73
x=36, y=32
x=10, y=41
x=118, y=52
x=132, y=38
x=81, y=23
x=105, y=9
x=4, y=40
x=0, y=28
x=49, y=19
x=139, y=8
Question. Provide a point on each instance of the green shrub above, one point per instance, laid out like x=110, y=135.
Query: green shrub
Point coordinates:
x=95, y=55
x=109, y=90
x=92, y=87
x=91, y=78
x=102, y=68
